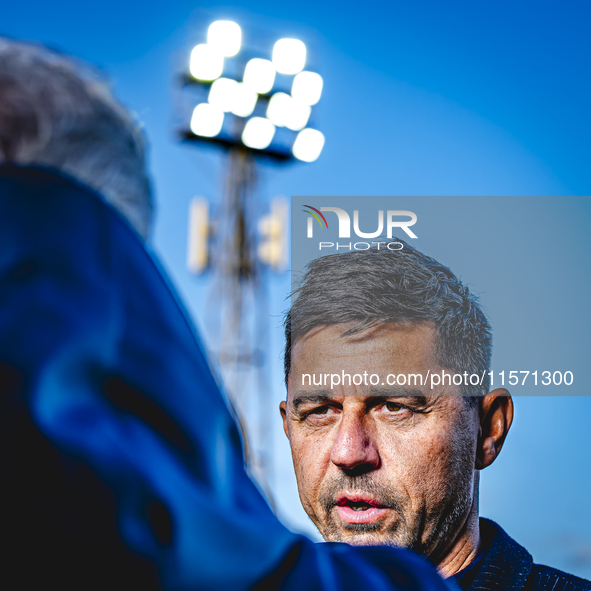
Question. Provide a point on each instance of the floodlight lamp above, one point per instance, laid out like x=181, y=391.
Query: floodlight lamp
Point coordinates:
x=285, y=111
x=308, y=145
x=259, y=75
x=222, y=94
x=244, y=101
x=225, y=37
x=307, y=88
x=298, y=115
x=278, y=109
x=206, y=63
x=289, y=56
x=207, y=120
x=258, y=133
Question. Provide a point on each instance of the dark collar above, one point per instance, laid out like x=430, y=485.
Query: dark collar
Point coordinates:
x=505, y=565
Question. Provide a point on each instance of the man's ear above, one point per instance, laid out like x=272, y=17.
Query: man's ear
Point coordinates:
x=283, y=411
x=496, y=416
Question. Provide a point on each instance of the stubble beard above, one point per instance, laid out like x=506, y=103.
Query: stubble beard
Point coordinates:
x=424, y=533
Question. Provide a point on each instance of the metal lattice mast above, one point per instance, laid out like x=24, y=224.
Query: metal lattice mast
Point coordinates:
x=256, y=109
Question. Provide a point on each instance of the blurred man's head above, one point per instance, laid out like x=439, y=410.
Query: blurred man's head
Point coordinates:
x=59, y=113
x=382, y=459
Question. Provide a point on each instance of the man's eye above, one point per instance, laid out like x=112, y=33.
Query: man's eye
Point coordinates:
x=321, y=410
x=393, y=407
x=320, y=413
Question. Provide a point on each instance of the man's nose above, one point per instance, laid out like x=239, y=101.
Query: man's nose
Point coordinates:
x=354, y=448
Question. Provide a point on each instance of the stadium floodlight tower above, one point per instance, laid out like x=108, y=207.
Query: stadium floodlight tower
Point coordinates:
x=258, y=109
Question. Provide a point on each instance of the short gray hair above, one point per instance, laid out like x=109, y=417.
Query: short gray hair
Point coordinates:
x=376, y=286
x=58, y=112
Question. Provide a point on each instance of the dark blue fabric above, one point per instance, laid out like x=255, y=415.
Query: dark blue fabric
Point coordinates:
x=509, y=566
x=465, y=577
x=121, y=465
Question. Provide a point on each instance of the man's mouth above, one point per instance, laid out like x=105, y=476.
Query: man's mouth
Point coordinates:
x=361, y=506
x=359, y=509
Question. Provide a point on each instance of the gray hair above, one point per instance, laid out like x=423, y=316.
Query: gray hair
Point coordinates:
x=376, y=286
x=58, y=112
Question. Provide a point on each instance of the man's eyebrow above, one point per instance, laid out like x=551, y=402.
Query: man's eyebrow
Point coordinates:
x=324, y=396
x=301, y=398
x=400, y=392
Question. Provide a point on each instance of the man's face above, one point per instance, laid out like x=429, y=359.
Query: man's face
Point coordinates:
x=380, y=464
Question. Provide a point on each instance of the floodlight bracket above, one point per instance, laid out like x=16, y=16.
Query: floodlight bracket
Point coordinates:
x=275, y=154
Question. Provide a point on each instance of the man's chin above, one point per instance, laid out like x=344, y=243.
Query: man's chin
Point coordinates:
x=369, y=540
x=362, y=534
x=366, y=540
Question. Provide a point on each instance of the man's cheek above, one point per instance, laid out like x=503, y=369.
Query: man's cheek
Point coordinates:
x=309, y=480
x=304, y=463
x=421, y=463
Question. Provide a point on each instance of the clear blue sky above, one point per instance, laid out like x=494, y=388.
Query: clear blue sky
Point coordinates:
x=421, y=98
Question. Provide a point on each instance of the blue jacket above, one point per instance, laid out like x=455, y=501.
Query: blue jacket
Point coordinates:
x=121, y=465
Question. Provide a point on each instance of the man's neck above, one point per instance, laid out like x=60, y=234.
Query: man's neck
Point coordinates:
x=465, y=549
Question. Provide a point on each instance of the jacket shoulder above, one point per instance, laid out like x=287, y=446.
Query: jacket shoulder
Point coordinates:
x=546, y=578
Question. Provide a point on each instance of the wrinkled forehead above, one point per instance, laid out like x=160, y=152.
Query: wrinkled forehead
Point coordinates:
x=394, y=340
x=379, y=350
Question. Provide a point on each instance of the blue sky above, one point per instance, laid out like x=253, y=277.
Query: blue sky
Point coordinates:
x=421, y=98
